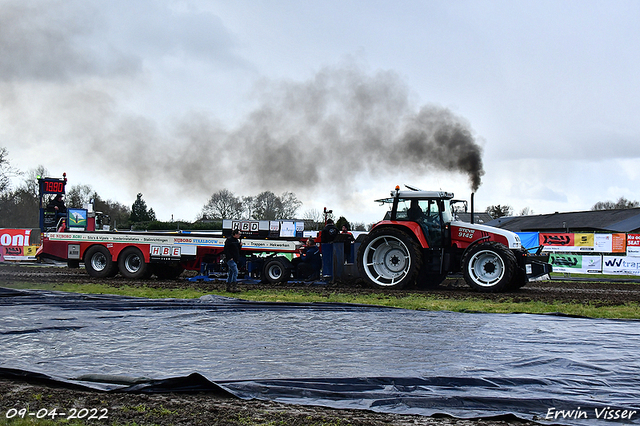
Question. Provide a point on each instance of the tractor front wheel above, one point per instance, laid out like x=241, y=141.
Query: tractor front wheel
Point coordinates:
x=489, y=267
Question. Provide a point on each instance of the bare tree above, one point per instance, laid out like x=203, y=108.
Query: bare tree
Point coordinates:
x=222, y=205
x=79, y=195
x=622, y=203
x=290, y=205
x=6, y=171
x=30, y=182
x=267, y=206
x=247, y=207
x=526, y=212
x=312, y=219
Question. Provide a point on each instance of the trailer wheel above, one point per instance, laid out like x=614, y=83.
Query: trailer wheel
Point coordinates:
x=489, y=267
x=132, y=265
x=389, y=258
x=99, y=263
x=276, y=271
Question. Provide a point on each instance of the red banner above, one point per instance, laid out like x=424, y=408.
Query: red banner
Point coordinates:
x=14, y=244
x=556, y=239
x=633, y=240
x=14, y=237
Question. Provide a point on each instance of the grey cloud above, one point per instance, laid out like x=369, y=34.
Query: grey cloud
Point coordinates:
x=55, y=41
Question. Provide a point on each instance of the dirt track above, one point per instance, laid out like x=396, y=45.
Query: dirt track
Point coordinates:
x=569, y=290
x=205, y=408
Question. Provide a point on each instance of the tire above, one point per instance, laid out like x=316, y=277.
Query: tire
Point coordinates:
x=132, y=265
x=99, y=263
x=389, y=258
x=167, y=272
x=276, y=271
x=489, y=267
x=519, y=280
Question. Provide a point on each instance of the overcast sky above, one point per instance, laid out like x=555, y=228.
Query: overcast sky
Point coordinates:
x=535, y=102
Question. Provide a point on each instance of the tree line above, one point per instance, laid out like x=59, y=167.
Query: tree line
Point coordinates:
x=19, y=206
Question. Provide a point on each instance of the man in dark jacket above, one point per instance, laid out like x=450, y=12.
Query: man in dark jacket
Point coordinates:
x=310, y=262
x=329, y=232
x=232, y=254
x=57, y=204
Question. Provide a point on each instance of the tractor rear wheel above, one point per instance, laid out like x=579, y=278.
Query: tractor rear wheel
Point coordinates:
x=389, y=258
x=489, y=267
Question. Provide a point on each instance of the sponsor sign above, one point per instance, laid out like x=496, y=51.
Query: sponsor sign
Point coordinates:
x=583, y=242
x=15, y=245
x=620, y=265
x=576, y=263
x=558, y=241
x=165, y=251
x=633, y=245
x=287, y=229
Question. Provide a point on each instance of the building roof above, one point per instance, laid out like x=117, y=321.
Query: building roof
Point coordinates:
x=619, y=220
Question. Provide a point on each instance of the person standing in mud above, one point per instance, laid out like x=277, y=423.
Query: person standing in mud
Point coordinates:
x=232, y=247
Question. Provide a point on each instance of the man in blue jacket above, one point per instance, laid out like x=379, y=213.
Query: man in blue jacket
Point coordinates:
x=232, y=247
x=310, y=262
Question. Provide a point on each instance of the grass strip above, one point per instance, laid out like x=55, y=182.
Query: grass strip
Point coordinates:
x=415, y=301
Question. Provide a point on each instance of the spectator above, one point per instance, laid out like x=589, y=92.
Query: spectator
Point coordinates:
x=232, y=247
x=329, y=232
x=347, y=242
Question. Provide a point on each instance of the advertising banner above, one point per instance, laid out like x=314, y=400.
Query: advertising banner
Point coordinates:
x=576, y=263
x=633, y=245
x=583, y=242
x=15, y=244
x=567, y=242
x=620, y=265
x=556, y=241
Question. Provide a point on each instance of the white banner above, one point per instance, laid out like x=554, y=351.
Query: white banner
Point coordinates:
x=576, y=263
x=620, y=265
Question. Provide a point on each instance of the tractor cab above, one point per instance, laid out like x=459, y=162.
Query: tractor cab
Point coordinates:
x=429, y=209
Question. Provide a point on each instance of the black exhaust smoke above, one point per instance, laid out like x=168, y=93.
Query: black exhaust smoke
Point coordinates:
x=302, y=136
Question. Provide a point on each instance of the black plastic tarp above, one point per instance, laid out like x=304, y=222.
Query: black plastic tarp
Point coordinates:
x=337, y=355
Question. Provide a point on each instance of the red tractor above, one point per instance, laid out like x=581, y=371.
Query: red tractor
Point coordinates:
x=419, y=243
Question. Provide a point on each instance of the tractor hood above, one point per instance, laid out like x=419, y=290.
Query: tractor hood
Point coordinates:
x=465, y=230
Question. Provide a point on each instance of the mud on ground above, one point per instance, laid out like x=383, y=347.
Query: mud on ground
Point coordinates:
x=215, y=409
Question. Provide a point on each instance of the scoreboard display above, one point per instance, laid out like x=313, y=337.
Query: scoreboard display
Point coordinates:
x=52, y=186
